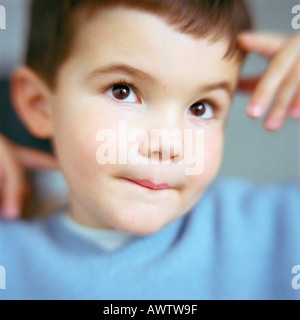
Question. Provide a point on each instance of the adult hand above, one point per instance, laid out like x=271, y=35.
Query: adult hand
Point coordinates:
x=280, y=81
x=14, y=160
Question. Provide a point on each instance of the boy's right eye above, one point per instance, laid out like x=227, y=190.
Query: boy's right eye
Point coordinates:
x=123, y=92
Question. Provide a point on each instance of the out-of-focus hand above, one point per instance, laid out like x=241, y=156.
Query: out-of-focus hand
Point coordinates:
x=14, y=160
x=280, y=83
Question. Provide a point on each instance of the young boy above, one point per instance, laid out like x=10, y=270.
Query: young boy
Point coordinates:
x=108, y=78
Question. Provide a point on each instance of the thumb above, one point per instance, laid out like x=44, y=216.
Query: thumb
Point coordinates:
x=34, y=159
x=262, y=43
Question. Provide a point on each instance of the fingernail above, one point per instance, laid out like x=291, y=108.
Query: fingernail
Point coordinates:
x=272, y=123
x=295, y=113
x=254, y=111
x=11, y=212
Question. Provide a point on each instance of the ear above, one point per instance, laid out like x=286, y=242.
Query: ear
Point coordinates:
x=31, y=99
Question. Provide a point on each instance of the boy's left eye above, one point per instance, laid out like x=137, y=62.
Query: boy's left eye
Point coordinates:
x=123, y=93
x=203, y=110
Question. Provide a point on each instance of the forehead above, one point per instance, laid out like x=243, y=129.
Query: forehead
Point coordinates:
x=128, y=36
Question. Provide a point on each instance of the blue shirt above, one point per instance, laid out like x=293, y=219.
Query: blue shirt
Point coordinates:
x=241, y=241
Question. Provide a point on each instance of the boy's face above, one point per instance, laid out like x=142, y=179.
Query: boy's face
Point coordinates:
x=129, y=69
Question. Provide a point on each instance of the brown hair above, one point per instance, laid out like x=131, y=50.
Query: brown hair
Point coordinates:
x=53, y=25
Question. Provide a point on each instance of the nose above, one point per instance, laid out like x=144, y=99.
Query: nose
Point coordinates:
x=162, y=144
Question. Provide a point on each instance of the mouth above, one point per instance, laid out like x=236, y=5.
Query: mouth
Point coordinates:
x=150, y=185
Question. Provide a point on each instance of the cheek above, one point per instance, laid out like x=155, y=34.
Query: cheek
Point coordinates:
x=75, y=143
x=197, y=184
x=211, y=157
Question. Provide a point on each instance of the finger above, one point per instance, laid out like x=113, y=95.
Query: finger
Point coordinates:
x=247, y=85
x=13, y=186
x=280, y=68
x=294, y=110
x=12, y=180
x=13, y=197
x=35, y=159
x=284, y=97
x=264, y=44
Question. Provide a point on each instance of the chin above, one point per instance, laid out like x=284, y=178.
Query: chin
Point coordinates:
x=142, y=225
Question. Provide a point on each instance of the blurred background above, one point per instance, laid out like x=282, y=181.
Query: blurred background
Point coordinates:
x=250, y=152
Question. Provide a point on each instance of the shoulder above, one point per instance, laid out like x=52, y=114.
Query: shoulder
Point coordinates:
x=22, y=233
x=238, y=192
x=238, y=205
x=14, y=226
x=252, y=233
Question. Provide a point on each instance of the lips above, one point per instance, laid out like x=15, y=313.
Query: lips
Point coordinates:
x=150, y=185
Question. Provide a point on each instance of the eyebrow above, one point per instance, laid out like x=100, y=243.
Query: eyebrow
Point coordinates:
x=223, y=85
x=119, y=68
x=132, y=71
